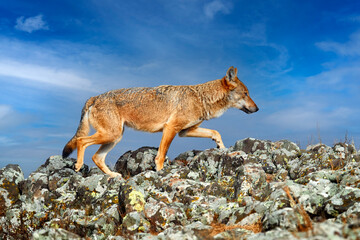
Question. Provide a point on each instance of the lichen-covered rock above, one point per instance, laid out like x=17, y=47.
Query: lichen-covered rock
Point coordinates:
x=57, y=196
x=90, y=189
x=130, y=199
x=351, y=216
x=271, y=155
x=251, y=181
x=342, y=201
x=329, y=229
x=252, y=145
x=321, y=161
x=56, y=162
x=132, y=163
x=254, y=190
x=192, y=231
x=52, y=175
x=164, y=215
x=275, y=234
x=212, y=164
x=10, y=177
x=54, y=233
x=285, y=218
x=202, y=210
x=186, y=157
x=135, y=222
x=236, y=233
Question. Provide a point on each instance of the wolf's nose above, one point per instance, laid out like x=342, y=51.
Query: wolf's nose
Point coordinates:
x=254, y=109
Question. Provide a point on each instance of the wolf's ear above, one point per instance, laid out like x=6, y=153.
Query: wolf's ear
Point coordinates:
x=231, y=74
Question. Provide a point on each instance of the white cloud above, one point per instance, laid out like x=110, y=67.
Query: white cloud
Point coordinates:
x=272, y=59
x=4, y=111
x=350, y=48
x=62, y=65
x=9, y=117
x=307, y=115
x=255, y=35
x=342, y=77
x=31, y=24
x=5, y=141
x=329, y=99
x=342, y=73
x=44, y=75
x=214, y=7
x=353, y=18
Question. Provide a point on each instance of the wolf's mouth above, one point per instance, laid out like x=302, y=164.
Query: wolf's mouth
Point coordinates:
x=244, y=109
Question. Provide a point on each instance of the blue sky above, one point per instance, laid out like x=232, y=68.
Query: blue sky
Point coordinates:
x=299, y=59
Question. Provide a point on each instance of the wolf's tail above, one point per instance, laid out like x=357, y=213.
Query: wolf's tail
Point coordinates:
x=83, y=129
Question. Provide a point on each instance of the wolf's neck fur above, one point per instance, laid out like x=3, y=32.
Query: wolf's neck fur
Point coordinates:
x=214, y=97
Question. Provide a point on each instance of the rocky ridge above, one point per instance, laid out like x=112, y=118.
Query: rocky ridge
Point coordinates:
x=253, y=190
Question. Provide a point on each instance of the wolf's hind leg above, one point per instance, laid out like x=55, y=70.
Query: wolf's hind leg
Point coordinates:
x=100, y=137
x=100, y=155
x=82, y=144
x=204, y=133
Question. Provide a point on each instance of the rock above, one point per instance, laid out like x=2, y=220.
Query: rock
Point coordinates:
x=275, y=234
x=315, y=195
x=192, y=231
x=186, y=157
x=54, y=233
x=57, y=163
x=285, y=218
x=236, y=233
x=132, y=163
x=212, y=164
x=251, y=180
x=328, y=230
x=251, y=219
x=163, y=216
x=10, y=177
x=351, y=216
x=272, y=155
x=130, y=199
x=47, y=176
x=251, y=145
x=134, y=222
x=202, y=210
x=342, y=201
x=254, y=190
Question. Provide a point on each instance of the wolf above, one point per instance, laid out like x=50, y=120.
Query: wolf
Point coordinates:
x=167, y=108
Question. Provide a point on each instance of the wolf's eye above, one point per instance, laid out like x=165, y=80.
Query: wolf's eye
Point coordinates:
x=246, y=94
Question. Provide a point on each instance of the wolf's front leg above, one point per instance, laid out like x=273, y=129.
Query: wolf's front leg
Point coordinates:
x=169, y=133
x=204, y=133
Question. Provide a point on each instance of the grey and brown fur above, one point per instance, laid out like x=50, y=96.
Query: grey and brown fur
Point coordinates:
x=170, y=109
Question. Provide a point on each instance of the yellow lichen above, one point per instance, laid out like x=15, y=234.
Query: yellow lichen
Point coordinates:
x=240, y=198
x=94, y=194
x=137, y=200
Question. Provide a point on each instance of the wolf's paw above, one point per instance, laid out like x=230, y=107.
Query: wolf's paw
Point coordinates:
x=221, y=146
x=158, y=168
x=114, y=175
x=77, y=167
x=159, y=164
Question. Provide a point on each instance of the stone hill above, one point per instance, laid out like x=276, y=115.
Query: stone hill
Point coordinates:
x=253, y=190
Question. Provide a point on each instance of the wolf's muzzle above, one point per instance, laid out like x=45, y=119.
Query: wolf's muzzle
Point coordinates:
x=250, y=110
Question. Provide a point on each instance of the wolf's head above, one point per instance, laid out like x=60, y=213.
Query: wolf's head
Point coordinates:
x=239, y=96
